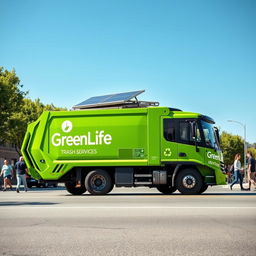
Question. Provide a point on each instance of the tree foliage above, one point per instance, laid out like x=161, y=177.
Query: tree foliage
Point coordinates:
x=11, y=96
x=231, y=145
x=18, y=121
x=16, y=111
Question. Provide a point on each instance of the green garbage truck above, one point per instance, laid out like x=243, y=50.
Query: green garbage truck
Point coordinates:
x=131, y=144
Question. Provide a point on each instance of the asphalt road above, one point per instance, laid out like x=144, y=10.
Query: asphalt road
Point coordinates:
x=127, y=222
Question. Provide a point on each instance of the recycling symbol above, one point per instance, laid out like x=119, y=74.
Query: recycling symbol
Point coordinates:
x=167, y=152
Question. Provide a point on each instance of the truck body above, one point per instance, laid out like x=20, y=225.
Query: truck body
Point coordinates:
x=96, y=149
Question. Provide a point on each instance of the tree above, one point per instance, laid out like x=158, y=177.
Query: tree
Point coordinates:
x=16, y=111
x=231, y=145
x=11, y=97
x=18, y=121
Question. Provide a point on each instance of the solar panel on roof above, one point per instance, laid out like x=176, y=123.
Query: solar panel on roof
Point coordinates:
x=108, y=99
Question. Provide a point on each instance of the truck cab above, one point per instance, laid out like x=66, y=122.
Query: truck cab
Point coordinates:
x=192, y=141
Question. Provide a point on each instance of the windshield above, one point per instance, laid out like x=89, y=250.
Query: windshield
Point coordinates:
x=209, y=135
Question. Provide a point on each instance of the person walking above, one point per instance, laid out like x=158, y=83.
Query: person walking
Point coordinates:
x=237, y=173
x=251, y=170
x=21, y=170
x=7, y=173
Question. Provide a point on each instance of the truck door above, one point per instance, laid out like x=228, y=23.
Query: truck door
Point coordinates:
x=168, y=140
x=187, y=150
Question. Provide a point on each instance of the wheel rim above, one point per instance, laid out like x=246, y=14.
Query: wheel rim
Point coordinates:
x=98, y=182
x=189, y=181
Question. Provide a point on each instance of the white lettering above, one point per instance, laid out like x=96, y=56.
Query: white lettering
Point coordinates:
x=89, y=139
x=70, y=140
x=107, y=139
x=56, y=142
x=213, y=156
x=98, y=139
x=76, y=140
x=63, y=140
x=101, y=136
x=83, y=138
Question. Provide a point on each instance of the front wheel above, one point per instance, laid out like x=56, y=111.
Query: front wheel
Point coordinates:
x=166, y=189
x=98, y=182
x=189, y=182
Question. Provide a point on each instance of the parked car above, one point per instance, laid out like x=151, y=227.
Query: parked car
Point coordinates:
x=31, y=182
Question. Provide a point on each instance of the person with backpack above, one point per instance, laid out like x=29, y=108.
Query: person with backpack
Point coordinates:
x=237, y=173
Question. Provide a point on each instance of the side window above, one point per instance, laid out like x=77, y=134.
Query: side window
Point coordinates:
x=184, y=129
x=185, y=133
x=169, y=129
x=198, y=134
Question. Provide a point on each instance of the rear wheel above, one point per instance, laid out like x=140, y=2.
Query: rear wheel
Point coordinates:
x=72, y=189
x=189, y=182
x=166, y=189
x=98, y=182
x=204, y=187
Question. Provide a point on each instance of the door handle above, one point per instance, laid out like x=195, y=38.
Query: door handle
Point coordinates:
x=182, y=154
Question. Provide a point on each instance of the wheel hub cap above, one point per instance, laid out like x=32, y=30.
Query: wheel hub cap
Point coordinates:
x=189, y=181
x=98, y=182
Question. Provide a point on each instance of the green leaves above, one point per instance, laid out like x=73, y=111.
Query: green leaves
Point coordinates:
x=16, y=111
x=231, y=145
x=11, y=96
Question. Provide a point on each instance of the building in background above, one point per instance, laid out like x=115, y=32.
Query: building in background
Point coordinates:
x=8, y=151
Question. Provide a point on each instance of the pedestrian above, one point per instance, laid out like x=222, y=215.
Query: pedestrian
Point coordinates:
x=7, y=172
x=237, y=172
x=251, y=170
x=21, y=170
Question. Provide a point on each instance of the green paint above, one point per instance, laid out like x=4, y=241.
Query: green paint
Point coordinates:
x=110, y=137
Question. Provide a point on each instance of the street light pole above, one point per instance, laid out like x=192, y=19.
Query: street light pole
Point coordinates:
x=245, y=146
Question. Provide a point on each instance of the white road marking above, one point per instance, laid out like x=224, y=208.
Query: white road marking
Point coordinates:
x=128, y=207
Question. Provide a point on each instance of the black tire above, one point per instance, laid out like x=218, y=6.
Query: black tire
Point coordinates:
x=189, y=182
x=166, y=189
x=98, y=182
x=71, y=188
x=29, y=185
x=204, y=187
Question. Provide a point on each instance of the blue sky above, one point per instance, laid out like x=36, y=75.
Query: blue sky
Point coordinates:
x=199, y=56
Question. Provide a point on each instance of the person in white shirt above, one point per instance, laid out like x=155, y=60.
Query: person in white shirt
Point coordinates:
x=237, y=173
x=7, y=173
